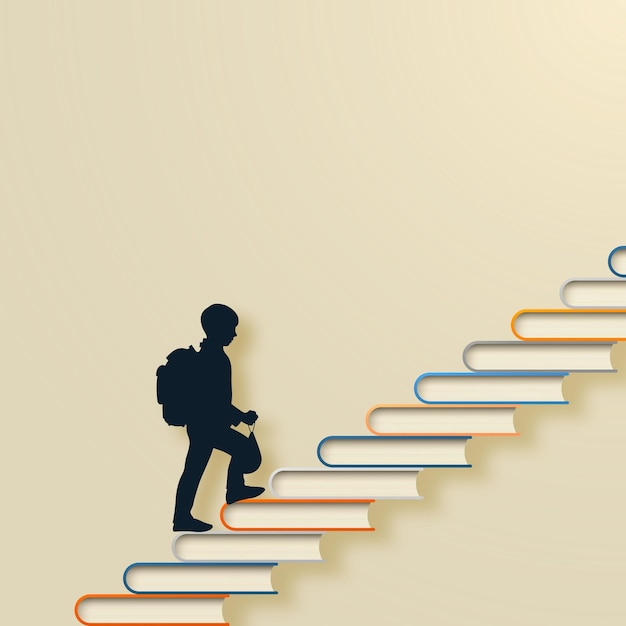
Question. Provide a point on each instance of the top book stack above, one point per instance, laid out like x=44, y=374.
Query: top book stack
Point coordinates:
x=596, y=309
x=599, y=293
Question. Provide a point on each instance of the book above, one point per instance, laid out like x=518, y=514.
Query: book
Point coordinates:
x=303, y=482
x=617, y=261
x=296, y=515
x=249, y=547
x=558, y=356
x=442, y=419
x=594, y=293
x=570, y=324
x=204, y=578
x=368, y=451
x=108, y=609
x=490, y=388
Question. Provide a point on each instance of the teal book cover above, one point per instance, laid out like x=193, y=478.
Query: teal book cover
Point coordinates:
x=383, y=193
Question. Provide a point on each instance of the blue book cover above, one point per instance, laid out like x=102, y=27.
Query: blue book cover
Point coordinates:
x=490, y=388
x=393, y=451
x=200, y=578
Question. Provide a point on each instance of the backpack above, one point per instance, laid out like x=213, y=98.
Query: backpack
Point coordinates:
x=176, y=385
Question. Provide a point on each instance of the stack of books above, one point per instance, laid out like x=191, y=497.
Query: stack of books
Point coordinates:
x=210, y=568
x=356, y=470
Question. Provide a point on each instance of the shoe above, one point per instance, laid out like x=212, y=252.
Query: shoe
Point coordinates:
x=191, y=524
x=243, y=493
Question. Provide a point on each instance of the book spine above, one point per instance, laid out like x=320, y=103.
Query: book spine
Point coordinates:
x=525, y=346
x=439, y=433
x=481, y=375
x=175, y=566
x=388, y=465
x=294, y=502
x=306, y=548
x=135, y=597
x=335, y=475
x=596, y=293
x=584, y=315
x=617, y=261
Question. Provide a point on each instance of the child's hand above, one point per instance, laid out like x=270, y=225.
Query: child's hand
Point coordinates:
x=249, y=418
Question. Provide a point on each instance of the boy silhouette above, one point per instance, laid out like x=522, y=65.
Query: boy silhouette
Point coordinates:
x=209, y=423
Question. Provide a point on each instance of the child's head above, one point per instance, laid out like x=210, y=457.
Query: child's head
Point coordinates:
x=219, y=323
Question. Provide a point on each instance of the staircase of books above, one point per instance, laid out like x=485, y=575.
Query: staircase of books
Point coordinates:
x=355, y=471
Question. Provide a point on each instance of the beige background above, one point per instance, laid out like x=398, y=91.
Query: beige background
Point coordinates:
x=371, y=185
